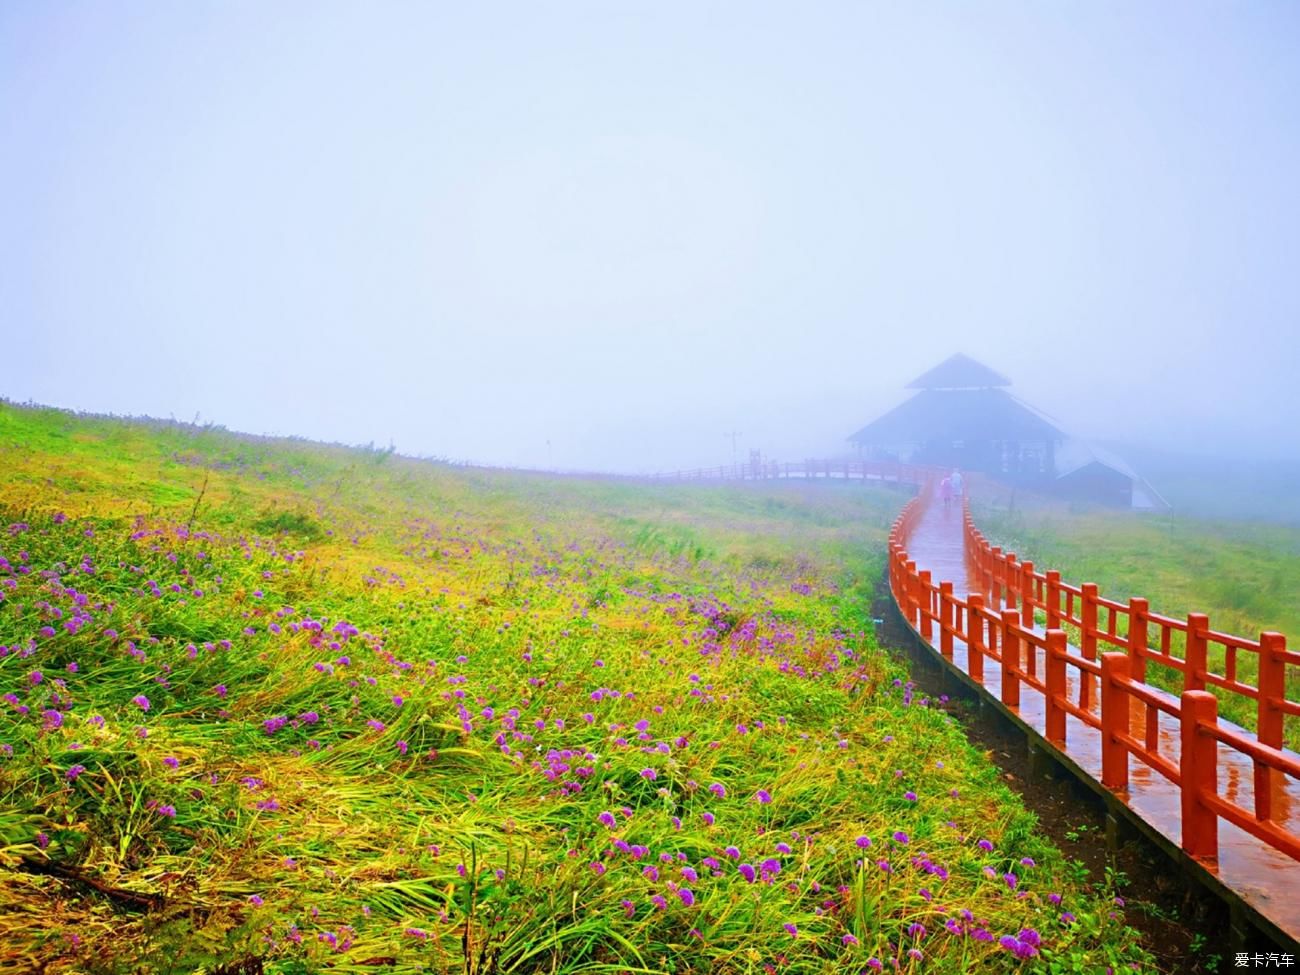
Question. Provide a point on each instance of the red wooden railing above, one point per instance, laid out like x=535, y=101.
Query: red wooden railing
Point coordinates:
x=999, y=622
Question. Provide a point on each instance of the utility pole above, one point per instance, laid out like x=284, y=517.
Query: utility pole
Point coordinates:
x=733, y=436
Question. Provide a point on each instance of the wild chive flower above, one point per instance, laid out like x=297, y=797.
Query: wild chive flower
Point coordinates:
x=863, y=842
x=168, y=811
x=792, y=929
x=708, y=818
x=686, y=896
x=763, y=796
x=909, y=796
x=719, y=790
x=985, y=845
x=747, y=871
x=74, y=771
x=901, y=837
x=732, y=852
x=141, y=702
x=849, y=940
x=649, y=773
x=53, y=719
x=255, y=900
x=607, y=819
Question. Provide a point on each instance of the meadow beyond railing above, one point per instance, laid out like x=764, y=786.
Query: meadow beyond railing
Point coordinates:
x=1000, y=622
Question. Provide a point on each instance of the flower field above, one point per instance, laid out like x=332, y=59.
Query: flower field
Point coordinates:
x=278, y=706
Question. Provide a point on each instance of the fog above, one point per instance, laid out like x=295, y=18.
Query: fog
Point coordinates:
x=605, y=235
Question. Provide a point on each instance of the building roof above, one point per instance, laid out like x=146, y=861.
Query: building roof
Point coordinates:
x=958, y=414
x=1073, y=454
x=959, y=372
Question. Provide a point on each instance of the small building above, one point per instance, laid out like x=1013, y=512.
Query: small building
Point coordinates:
x=1086, y=472
x=962, y=416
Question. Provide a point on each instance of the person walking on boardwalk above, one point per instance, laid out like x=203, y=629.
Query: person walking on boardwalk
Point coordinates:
x=957, y=482
x=945, y=489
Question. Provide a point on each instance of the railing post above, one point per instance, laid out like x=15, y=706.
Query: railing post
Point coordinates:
x=1056, y=688
x=1198, y=625
x=1088, y=617
x=1199, y=774
x=913, y=600
x=1087, y=639
x=1138, y=609
x=945, y=619
x=975, y=637
x=991, y=583
x=1268, y=722
x=1053, y=599
x=1010, y=659
x=927, y=605
x=1007, y=571
x=1114, y=720
x=1027, y=595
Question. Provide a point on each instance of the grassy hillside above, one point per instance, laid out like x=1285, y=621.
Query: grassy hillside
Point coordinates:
x=1245, y=575
x=277, y=706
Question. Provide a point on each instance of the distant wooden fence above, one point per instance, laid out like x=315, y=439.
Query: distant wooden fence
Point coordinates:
x=998, y=622
x=847, y=470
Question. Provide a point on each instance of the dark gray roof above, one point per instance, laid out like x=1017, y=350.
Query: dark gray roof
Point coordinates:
x=959, y=372
x=958, y=414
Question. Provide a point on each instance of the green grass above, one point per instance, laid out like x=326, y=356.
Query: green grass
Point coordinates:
x=1244, y=575
x=407, y=717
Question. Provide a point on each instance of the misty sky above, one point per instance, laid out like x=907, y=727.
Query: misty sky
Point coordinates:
x=628, y=228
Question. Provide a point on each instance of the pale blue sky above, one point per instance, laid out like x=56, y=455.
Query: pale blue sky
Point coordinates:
x=627, y=228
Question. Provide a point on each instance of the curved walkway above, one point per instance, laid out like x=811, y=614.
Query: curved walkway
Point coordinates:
x=1265, y=878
